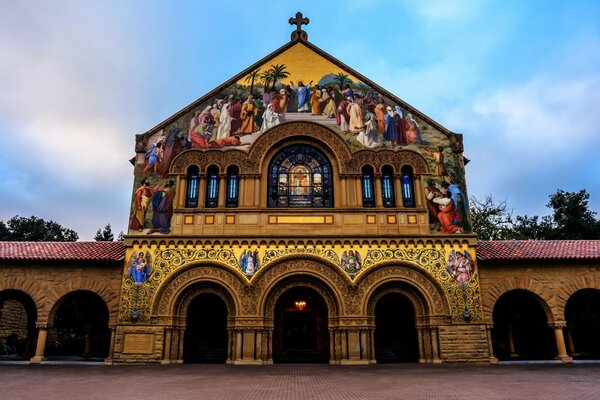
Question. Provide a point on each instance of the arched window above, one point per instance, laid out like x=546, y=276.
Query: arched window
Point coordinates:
x=212, y=186
x=408, y=191
x=387, y=186
x=191, y=195
x=233, y=186
x=368, y=193
x=300, y=176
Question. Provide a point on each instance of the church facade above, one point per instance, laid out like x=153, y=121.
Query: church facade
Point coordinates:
x=301, y=213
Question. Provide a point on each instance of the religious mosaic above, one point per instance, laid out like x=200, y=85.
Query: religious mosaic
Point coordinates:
x=299, y=82
x=455, y=274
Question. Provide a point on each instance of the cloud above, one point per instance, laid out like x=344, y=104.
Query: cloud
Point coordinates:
x=527, y=141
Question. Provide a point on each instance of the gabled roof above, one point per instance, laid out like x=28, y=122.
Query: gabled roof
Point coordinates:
x=521, y=250
x=274, y=54
x=62, y=251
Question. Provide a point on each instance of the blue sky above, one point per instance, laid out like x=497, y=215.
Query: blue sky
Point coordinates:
x=78, y=79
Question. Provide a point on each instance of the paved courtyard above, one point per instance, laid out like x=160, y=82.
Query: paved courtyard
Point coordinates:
x=379, y=382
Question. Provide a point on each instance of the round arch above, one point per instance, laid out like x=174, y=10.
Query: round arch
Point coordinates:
x=17, y=330
x=425, y=293
x=79, y=326
x=109, y=296
x=175, y=292
x=540, y=293
x=323, y=276
x=521, y=327
x=582, y=314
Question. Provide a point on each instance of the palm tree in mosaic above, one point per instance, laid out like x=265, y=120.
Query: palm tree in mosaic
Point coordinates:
x=279, y=73
x=266, y=78
x=342, y=79
x=251, y=77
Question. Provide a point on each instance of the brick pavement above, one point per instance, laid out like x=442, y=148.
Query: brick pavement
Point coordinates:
x=379, y=382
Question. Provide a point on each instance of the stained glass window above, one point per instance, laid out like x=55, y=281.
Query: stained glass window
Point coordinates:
x=300, y=176
x=191, y=196
x=212, y=186
x=367, y=187
x=408, y=192
x=387, y=186
x=232, y=187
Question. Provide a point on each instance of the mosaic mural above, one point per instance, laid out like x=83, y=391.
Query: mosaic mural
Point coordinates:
x=455, y=273
x=300, y=84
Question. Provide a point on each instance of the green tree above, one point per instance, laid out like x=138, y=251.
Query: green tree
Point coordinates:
x=572, y=217
x=104, y=235
x=491, y=220
x=34, y=229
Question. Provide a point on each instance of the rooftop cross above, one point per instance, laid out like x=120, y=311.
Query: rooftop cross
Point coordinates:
x=299, y=21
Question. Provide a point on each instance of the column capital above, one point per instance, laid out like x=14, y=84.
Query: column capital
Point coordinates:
x=557, y=324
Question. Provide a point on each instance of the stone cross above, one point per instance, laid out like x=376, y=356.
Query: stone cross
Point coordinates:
x=299, y=21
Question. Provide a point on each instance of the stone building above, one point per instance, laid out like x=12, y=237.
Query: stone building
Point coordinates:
x=300, y=213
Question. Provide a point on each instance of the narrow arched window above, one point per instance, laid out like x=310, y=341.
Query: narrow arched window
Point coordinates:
x=387, y=186
x=191, y=195
x=368, y=193
x=408, y=187
x=232, y=186
x=212, y=186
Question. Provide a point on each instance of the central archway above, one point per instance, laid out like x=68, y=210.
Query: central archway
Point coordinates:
x=205, y=339
x=396, y=337
x=300, y=327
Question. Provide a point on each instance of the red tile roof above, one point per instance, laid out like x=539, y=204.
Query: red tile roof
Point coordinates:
x=504, y=250
x=62, y=251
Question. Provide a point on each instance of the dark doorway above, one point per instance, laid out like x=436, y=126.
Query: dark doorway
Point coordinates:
x=301, y=328
x=205, y=338
x=521, y=330
x=17, y=325
x=396, y=337
x=583, y=324
x=80, y=327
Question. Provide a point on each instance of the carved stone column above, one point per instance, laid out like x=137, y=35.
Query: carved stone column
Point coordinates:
x=41, y=345
x=419, y=190
x=511, y=342
x=230, y=346
x=422, y=358
x=357, y=192
x=181, y=336
x=256, y=200
x=372, y=358
x=111, y=346
x=488, y=330
x=201, y=191
x=343, y=191
x=435, y=347
x=87, y=349
x=398, y=191
x=378, y=191
x=560, y=342
x=167, y=343
x=222, y=190
x=570, y=342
